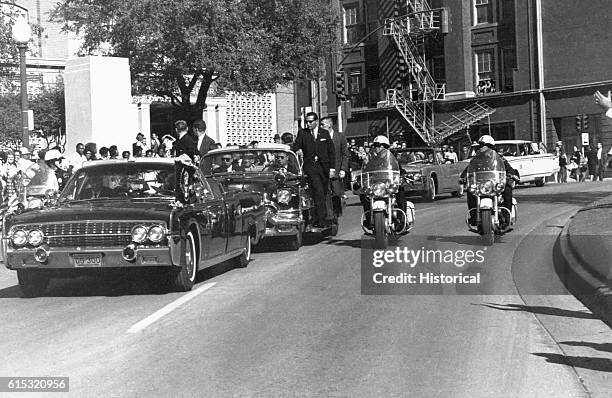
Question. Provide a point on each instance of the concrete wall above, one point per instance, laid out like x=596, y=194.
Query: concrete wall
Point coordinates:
x=99, y=103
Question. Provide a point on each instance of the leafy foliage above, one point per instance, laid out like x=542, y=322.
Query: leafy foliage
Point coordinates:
x=176, y=47
x=50, y=113
x=10, y=118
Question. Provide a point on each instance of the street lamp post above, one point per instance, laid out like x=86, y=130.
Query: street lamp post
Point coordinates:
x=21, y=35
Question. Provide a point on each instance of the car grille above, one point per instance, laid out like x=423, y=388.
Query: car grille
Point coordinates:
x=88, y=233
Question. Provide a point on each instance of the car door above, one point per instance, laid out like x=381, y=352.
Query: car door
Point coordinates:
x=442, y=172
x=214, y=220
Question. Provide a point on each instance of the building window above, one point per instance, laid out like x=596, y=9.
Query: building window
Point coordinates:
x=483, y=10
x=485, y=72
x=355, y=82
x=353, y=28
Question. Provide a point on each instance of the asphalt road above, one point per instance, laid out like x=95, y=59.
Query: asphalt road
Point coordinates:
x=296, y=323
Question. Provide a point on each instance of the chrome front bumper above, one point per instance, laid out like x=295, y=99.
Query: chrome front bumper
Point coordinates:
x=63, y=258
x=284, y=223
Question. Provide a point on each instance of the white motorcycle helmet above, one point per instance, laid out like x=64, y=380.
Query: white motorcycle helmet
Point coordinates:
x=382, y=140
x=487, y=140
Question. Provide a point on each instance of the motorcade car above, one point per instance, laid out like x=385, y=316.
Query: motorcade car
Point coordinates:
x=158, y=215
x=426, y=172
x=274, y=171
x=531, y=161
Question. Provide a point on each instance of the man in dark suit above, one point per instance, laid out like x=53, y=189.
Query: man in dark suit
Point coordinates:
x=319, y=161
x=341, y=165
x=184, y=143
x=204, y=144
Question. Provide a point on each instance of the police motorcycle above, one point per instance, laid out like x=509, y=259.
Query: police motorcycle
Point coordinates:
x=378, y=183
x=486, y=179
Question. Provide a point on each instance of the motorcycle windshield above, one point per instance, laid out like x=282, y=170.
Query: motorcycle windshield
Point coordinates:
x=380, y=167
x=38, y=179
x=486, y=166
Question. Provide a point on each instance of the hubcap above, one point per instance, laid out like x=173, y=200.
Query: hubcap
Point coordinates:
x=189, y=260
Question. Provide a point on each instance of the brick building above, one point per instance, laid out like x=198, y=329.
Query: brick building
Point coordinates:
x=536, y=63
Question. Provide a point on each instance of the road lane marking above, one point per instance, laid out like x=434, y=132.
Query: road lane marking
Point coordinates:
x=140, y=326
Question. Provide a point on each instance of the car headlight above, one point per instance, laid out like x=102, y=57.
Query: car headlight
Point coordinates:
x=20, y=237
x=156, y=233
x=139, y=234
x=35, y=237
x=283, y=196
x=379, y=189
x=417, y=176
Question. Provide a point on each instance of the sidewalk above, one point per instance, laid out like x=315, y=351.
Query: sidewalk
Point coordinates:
x=586, y=245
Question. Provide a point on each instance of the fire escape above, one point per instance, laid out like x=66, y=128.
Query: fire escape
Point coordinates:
x=415, y=101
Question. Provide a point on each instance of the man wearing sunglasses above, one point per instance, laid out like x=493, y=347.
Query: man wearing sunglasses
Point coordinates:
x=319, y=158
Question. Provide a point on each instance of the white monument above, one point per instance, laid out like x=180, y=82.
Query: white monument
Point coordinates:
x=99, y=103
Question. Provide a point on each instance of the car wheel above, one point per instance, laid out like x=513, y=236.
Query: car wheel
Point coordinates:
x=245, y=257
x=33, y=283
x=540, y=182
x=184, y=277
x=430, y=193
x=296, y=241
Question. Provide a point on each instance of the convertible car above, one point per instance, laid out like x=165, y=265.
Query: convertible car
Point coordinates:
x=160, y=215
x=427, y=173
x=274, y=171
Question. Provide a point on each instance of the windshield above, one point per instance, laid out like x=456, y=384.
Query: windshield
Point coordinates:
x=121, y=180
x=380, y=167
x=413, y=156
x=486, y=165
x=250, y=161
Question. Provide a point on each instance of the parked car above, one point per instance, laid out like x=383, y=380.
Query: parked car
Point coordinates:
x=154, y=214
x=427, y=173
x=533, y=164
x=274, y=171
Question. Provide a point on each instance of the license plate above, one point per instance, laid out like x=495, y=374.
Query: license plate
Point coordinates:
x=87, y=260
x=379, y=205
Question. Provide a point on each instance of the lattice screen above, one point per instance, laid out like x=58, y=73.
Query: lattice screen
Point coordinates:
x=250, y=117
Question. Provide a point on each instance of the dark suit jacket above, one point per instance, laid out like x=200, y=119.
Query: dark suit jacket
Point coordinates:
x=322, y=150
x=185, y=145
x=342, y=160
x=207, y=145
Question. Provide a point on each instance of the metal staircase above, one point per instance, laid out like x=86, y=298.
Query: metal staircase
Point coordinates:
x=415, y=100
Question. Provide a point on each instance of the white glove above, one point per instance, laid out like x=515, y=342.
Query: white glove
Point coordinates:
x=342, y=174
x=332, y=173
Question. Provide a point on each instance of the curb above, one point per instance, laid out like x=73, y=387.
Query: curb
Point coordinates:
x=583, y=282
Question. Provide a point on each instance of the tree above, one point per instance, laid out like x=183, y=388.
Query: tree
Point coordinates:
x=10, y=118
x=177, y=48
x=50, y=114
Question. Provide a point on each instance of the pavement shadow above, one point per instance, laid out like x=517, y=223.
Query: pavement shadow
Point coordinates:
x=593, y=363
x=116, y=284
x=355, y=243
x=572, y=198
x=470, y=240
x=540, y=310
x=607, y=347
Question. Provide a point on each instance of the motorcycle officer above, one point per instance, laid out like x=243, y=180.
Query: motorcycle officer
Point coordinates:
x=487, y=143
x=378, y=147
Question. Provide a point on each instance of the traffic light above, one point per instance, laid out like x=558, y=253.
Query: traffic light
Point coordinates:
x=340, y=86
x=579, y=122
x=585, y=122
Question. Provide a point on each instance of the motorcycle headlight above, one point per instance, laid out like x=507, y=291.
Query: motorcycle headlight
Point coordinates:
x=499, y=186
x=283, y=196
x=139, y=234
x=34, y=203
x=473, y=188
x=379, y=189
x=156, y=233
x=35, y=237
x=487, y=188
x=393, y=188
x=19, y=238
